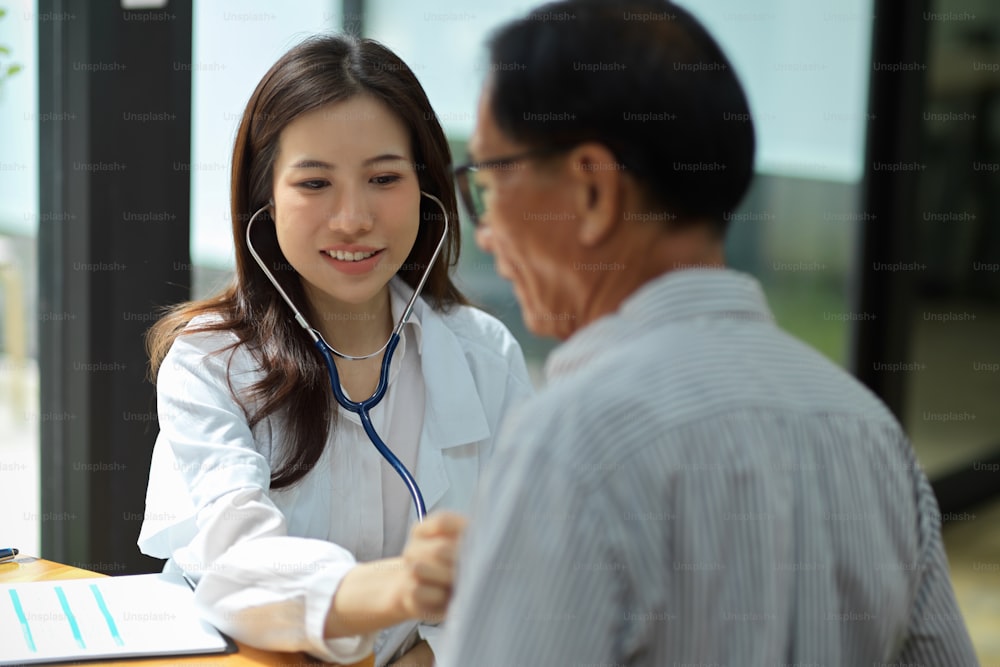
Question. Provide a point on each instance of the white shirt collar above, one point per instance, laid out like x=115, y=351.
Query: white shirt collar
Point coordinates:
x=454, y=404
x=399, y=294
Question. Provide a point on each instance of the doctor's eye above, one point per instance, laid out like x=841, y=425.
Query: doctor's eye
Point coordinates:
x=316, y=184
x=386, y=179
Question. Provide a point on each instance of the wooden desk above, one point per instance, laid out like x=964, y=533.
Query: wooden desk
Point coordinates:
x=25, y=568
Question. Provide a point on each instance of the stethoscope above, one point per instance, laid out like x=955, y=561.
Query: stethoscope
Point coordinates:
x=362, y=408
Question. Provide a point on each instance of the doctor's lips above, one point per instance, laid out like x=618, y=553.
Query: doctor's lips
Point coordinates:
x=353, y=260
x=351, y=253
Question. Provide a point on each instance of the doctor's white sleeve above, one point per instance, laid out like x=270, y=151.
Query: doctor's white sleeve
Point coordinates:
x=255, y=582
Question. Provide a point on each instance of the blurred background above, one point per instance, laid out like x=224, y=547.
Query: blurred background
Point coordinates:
x=872, y=224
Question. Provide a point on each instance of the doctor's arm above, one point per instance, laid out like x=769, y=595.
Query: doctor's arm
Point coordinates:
x=416, y=584
x=256, y=582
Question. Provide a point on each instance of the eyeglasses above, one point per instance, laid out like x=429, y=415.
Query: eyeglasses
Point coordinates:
x=473, y=195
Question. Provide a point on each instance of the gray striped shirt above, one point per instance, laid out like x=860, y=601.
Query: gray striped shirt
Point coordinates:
x=696, y=487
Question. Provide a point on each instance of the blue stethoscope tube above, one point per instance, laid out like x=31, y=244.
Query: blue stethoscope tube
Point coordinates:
x=362, y=408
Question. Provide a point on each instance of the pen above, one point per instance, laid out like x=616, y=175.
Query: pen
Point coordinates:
x=7, y=554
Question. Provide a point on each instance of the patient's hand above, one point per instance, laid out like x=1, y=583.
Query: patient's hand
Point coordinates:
x=415, y=585
x=429, y=565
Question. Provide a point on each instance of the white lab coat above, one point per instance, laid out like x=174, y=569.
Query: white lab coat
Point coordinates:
x=266, y=560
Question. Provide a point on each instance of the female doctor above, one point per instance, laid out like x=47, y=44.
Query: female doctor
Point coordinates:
x=263, y=488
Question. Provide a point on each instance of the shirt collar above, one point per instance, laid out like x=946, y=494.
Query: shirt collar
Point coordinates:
x=676, y=296
x=454, y=413
x=399, y=295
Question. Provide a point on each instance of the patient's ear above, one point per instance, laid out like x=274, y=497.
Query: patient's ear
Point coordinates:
x=597, y=191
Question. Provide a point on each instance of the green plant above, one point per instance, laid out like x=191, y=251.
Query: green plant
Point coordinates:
x=9, y=69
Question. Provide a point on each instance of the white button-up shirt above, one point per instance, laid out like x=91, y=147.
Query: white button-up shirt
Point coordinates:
x=269, y=562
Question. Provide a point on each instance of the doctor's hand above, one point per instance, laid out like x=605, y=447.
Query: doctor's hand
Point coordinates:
x=415, y=585
x=429, y=565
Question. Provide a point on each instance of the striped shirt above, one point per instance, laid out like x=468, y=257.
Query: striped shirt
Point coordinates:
x=696, y=487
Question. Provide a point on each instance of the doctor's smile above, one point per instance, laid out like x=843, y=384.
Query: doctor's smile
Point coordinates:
x=345, y=187
x=353, y=260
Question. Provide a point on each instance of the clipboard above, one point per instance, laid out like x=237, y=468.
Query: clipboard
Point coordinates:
x=135, y=616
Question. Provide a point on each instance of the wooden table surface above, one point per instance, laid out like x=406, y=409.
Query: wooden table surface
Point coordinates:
x=26, y=568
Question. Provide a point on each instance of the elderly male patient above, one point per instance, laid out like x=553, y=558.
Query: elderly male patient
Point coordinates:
x=693, y=486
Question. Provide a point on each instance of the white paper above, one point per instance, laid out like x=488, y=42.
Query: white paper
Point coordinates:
x=141, y=615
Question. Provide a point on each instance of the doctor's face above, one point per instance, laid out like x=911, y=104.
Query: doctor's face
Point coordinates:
x=528, y=226
x=346, y=201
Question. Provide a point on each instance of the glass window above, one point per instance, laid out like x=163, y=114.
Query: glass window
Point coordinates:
x=19, y=118
x=234, y=43
x=19, y=418
x=805, y=67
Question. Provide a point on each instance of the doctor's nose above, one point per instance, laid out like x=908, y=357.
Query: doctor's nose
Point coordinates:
x=351, y=214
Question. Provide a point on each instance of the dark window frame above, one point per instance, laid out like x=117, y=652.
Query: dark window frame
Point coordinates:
x=899, y=35
x=122, y=179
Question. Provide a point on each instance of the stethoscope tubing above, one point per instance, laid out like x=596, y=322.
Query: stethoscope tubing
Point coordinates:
x=362, y=408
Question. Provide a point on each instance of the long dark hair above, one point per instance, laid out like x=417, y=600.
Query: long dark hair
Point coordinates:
x=317, y=72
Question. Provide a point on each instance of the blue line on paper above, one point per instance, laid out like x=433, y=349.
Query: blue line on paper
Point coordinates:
x=70, y=617
x=25, y=628
x=107, y=614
